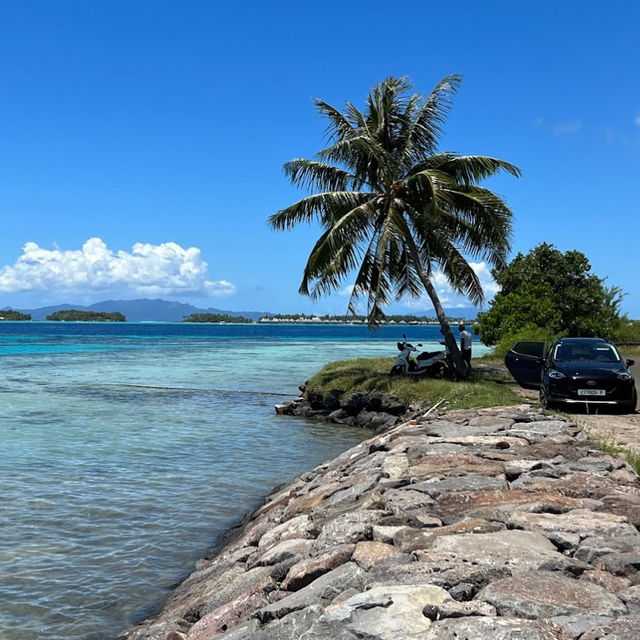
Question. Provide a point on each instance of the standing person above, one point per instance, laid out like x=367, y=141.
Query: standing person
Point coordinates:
x=465, y=346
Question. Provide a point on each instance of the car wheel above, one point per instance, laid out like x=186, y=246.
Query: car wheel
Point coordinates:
x=629, y=407
x=545, y=403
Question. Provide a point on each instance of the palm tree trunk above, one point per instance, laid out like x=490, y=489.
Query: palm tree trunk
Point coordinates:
x=450, y=341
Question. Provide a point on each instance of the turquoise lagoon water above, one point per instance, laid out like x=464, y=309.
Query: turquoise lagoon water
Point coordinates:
x=127, y=449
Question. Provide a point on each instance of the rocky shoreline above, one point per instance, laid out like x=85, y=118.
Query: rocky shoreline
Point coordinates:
x=498, y=524
x=368, y=409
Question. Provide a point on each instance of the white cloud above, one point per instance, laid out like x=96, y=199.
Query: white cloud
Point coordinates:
x=164, y=269
x=572, y=126
x=346, y=291
x=451, y=299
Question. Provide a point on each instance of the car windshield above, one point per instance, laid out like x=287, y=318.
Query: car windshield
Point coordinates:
x=600, y=352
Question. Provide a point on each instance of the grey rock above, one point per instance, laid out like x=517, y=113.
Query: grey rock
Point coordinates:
x=443, y=569
x=231, y=585
x=287, y=549
x=401, y=501
x=625, y=628
x=582, y=522
x=381, y=613
x=455, y=609
x=575, y=625
x=631, y=597
x=497, y=423
x=291, y=626
x=595, y=547
x=540, y=594
x=346, y=529
x=248, y=630
x=537, y=431
x=471, y=482
x=486, y=628
x=315, y=398
x=320, y=592
x=297, y=527
x=517, y=551
x=331, y=399
x=353, y=403
x=354, y=493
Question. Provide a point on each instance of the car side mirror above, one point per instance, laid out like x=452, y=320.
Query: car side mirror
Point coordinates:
x=630, y=362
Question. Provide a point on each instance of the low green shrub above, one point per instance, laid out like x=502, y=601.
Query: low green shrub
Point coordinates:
x=529, y=333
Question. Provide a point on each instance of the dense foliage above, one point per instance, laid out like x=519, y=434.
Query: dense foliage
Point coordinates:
x=394, y=210
x=73, y=315
x=550, y=293
x=11, y=314
x=216, y=317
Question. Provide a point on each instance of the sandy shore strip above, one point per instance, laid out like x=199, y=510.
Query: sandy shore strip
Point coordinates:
x=491, y=523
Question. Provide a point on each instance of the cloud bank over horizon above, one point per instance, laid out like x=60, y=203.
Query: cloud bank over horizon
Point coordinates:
x=164, y=269
x=452, y=300
x=448, y=297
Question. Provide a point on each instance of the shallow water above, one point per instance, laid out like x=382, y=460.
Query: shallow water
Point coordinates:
x=127, y=449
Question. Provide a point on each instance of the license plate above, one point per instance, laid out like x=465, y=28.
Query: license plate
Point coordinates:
x=591, y=392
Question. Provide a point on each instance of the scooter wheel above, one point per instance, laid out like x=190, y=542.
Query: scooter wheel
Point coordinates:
x=396, y=371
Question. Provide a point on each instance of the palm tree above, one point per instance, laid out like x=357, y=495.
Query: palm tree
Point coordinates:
x=394, y=210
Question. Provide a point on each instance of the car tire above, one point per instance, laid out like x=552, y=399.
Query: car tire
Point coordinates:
x=545, y=403
x=629, y=407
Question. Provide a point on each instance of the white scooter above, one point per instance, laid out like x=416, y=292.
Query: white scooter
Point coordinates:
x=434, y=364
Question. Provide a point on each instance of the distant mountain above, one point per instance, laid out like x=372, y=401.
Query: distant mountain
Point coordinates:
x=142, y=310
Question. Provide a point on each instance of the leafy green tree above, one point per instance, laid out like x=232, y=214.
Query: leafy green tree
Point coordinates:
x=551, y=290
x=394, y=210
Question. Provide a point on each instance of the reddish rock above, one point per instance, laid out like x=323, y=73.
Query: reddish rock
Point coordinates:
x=227, y=616
x=306, y=571
x=429, y=466
x=606, y=580
x=369, y=553
x=541, y=594
x=462, y=502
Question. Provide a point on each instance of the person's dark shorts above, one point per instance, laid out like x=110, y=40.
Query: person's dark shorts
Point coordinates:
x=466, y=356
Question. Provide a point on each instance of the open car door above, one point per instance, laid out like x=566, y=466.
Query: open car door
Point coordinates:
x=524, y=361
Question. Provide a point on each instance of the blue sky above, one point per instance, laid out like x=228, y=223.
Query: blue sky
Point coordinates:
x=142, y=142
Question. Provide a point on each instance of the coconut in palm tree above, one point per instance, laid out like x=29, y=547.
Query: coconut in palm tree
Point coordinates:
x=393, y=209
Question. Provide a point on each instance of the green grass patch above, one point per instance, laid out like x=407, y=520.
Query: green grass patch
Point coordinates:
x=632, y=457
x=372, y=374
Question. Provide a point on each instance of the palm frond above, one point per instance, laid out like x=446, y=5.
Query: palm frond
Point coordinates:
x=427, y=125
x=332, y=204
x=312, y=174
x=339, y=127
x=473, y=169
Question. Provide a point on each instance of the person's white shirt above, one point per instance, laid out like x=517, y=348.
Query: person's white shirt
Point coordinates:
x=465, y=340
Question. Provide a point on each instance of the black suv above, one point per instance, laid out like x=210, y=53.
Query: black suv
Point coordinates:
x=574, y=370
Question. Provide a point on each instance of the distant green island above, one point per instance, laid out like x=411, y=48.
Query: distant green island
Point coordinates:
x=73, y=315
x=216, y=317
x=10, y=314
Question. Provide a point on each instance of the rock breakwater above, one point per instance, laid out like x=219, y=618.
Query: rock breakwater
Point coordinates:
x=479, y=524
x=371, y=410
